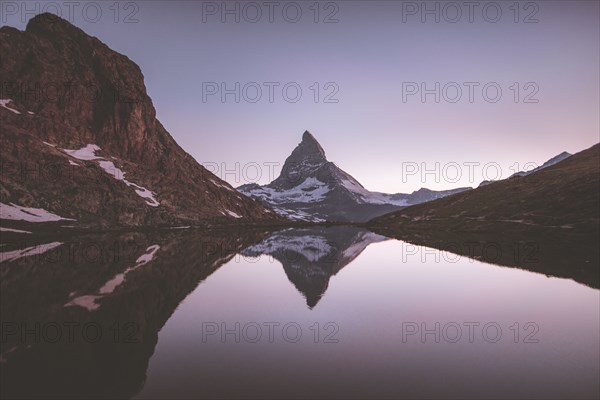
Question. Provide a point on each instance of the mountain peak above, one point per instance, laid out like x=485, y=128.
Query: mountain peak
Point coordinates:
x=308, y=150
x=561, y=156
x=309, y=144
x=304, y=160
x=306, y=136
x=45, y=22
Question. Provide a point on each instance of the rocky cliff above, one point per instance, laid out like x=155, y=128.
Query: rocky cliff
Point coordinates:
x=80, y=139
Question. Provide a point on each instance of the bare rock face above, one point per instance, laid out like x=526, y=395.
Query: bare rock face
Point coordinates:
x=305, y=160
x=65, y=90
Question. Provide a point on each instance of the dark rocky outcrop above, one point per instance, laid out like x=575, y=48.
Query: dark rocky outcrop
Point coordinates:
x=63, y=89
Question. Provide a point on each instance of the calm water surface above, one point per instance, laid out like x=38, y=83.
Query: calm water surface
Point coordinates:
x=321, y=312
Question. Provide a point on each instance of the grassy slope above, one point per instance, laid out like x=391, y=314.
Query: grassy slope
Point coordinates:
x=564, y=196
x=546, y=222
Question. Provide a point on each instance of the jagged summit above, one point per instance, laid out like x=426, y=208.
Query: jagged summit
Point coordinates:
x=310, y=142
x=309, y=149
x=306, y=158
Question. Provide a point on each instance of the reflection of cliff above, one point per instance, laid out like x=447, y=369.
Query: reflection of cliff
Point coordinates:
x=310, y=256
x=108, y=297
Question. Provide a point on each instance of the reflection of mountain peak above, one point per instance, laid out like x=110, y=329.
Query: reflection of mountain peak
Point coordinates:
x=311, y=256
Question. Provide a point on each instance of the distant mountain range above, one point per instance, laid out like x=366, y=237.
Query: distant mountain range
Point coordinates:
x=312, y=188
x=81, y=145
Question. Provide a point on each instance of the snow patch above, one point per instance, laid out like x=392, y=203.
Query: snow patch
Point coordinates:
x=4, y=102
x=89, y=301
x=14, y=212
x=29, y=251
x=312, y=247
x=371, y=197
x=12, y=230
x=87, y=153
x=364, y=240
x=234, y=215
x=297, y=215
x=223, y=186
x=311, y=190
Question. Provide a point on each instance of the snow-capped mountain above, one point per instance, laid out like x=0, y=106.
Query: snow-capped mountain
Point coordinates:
x=311, y=188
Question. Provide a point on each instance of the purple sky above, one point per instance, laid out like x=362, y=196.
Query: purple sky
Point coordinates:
x=369, y=55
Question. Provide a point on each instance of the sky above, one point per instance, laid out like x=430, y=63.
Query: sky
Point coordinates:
x=397, y=99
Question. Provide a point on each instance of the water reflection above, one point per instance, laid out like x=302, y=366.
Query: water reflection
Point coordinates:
x=80, y=317
x=125, y=315
x=551, y=252
x=311, y=256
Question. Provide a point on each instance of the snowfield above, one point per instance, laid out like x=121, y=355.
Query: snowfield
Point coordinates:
x=371, y=197
x=12, y=230
x=87, y=153
x=311, y=247
x=14, y=212
x=311, y=190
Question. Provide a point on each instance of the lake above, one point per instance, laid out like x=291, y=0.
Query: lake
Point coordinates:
x=327, y=312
